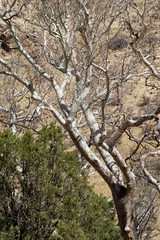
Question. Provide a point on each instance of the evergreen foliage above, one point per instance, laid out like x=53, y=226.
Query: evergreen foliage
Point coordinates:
x=44, y=194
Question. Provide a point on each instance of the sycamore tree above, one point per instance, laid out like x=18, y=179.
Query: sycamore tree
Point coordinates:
x=97, y=65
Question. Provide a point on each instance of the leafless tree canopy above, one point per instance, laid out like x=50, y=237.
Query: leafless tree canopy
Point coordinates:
x=92, y=65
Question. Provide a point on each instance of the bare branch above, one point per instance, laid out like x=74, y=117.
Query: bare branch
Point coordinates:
x=9, y=9
x=132, y=123
x=150, y=178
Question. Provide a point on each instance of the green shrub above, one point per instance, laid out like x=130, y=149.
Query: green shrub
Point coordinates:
x=44, y=194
